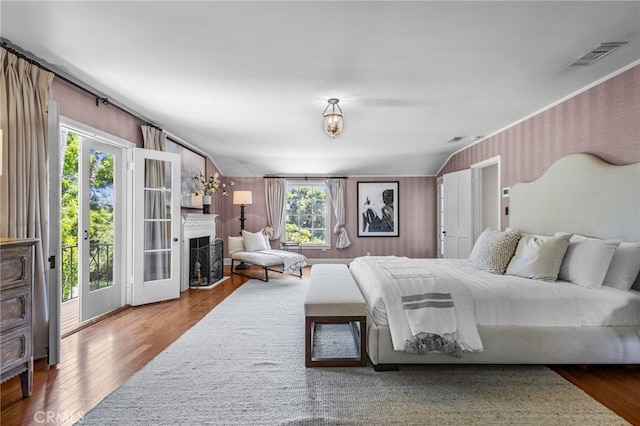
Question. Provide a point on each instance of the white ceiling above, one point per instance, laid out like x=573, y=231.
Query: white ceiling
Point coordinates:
x=246, y=82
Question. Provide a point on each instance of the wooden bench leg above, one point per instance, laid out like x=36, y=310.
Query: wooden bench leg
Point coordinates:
x=359, y=331
x=308, y=341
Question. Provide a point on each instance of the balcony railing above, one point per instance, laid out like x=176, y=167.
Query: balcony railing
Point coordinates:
x=100, y=269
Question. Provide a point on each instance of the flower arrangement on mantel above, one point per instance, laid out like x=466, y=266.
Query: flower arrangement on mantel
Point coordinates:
x=204, y=186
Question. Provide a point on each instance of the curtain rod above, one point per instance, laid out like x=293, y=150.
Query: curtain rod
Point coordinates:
x=100, y=98
x=306, y=177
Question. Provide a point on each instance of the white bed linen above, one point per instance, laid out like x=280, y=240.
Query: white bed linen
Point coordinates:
x=504, y=300
x=413, y=326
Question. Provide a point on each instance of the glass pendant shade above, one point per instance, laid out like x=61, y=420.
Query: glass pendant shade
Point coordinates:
x=332, y=119
x=333, y=124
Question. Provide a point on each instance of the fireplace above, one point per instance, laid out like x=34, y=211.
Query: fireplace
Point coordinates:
x=197, y=226
x=205, y=261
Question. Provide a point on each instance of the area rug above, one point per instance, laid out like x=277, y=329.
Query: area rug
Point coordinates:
x=243, y=364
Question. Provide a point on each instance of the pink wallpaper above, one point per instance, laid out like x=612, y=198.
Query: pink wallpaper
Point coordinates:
x=417, y=219
x=602, y=120
x=81, y=106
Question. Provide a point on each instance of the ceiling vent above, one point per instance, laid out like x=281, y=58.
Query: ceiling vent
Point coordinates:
x=597, y=53
x=456, y=139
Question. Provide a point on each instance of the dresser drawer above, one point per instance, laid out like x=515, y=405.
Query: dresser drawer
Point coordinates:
x=15, y=267
x=15, y=308
x=16, y=293
x=15, y=351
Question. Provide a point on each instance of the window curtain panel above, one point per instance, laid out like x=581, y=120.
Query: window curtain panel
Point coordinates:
x=25, y=89
x=337, y=190
x=156, y=234
x=274, y=198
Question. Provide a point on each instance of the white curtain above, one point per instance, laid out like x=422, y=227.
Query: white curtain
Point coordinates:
x=24, y=203
x=337, y=190
x=153, y=138
x=274, y=198
x=156, y=233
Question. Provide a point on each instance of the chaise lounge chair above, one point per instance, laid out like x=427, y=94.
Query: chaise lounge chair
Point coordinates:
x=254, y=249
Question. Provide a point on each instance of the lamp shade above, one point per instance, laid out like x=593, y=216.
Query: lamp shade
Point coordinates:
x=242, y=197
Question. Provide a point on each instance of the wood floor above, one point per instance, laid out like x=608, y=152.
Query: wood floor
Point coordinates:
x=98, y=359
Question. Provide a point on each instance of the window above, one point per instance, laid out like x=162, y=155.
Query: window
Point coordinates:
x=306, y=214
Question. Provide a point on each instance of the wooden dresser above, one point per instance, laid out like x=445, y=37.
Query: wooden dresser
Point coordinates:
x=16, y=290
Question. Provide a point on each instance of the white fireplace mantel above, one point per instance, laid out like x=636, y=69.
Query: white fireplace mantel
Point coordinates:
x=194, y=225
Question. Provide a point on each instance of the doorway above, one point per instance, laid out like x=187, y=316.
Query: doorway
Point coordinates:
x=486, y=196
x=93, y=194
x=469, y=201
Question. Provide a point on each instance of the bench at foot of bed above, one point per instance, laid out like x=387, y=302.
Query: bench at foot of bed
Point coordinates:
x=334, y=297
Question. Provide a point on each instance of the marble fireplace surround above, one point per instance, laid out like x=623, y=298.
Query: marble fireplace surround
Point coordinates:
x=194, y=225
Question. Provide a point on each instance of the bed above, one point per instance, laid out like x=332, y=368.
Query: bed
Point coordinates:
x=515, y=311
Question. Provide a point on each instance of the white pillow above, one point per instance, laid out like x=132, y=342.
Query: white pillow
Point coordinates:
x=235, y=245
x=624, y=266
x=587, y=260
x=254, y=241
x=539, y=257
x=493, y=250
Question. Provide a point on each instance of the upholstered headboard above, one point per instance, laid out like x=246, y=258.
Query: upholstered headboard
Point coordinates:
x=581, y=194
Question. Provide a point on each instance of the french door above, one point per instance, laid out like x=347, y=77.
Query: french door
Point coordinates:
x=107, y=250
x=89, y=193
x=100, y=176
x=157, y=239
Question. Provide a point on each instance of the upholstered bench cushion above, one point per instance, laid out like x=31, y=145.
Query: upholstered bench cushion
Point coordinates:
x=333, y=292
x=334, y=297
x=261, y=258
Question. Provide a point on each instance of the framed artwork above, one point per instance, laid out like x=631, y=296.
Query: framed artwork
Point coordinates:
x=191, y=165
x=378, y=209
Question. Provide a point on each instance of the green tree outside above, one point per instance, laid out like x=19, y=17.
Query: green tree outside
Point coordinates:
x=101, y=216
x=306, y=213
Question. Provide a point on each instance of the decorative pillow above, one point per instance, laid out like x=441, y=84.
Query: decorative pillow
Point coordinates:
x=624, y=266
x=493, y=250
x=587, y=260
x=254, y=241
x=539, y=257
x=235, y=245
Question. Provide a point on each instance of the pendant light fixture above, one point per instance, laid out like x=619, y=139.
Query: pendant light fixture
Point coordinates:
x=332, y=118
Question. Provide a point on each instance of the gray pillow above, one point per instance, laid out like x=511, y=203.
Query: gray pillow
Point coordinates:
x=493, y=250
x=539, y=257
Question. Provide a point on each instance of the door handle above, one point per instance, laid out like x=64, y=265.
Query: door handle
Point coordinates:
x=86, y=234
x=175, y=240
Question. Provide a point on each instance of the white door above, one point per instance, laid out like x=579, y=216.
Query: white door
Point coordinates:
x=54, y=274
x=101, y=187
x=457, y=217
x=156, y=246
